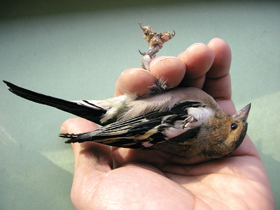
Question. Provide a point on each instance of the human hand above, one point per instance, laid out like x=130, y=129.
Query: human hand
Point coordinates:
x=148, y=179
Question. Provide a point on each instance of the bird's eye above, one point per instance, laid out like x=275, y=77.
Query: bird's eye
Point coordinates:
x=233, y=126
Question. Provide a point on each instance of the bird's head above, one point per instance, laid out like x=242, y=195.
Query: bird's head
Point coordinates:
x=223, y=135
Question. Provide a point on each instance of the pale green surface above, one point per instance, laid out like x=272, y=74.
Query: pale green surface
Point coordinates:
x=79, y=54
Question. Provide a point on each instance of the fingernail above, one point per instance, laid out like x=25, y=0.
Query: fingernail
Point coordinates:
x=63, y=130
x=159, y=59
x=193, y=45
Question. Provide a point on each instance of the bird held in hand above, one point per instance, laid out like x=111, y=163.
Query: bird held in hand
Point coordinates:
x=182, y=121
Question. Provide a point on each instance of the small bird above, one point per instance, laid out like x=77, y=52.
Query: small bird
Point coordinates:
x=183, y=121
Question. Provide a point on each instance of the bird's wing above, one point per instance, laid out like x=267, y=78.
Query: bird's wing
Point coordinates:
x=141, y=131
x=88, y=111
x=123, y=133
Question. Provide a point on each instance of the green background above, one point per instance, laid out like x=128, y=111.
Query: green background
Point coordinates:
x=77, y=49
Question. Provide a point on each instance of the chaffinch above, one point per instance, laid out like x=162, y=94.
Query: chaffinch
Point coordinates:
x=184, y=121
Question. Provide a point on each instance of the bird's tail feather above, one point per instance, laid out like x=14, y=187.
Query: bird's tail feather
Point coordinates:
x=93, y=113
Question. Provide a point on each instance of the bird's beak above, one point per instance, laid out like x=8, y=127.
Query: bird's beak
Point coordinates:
x=243, y=113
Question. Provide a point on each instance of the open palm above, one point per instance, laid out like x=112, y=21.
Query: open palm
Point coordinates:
x=158, y=180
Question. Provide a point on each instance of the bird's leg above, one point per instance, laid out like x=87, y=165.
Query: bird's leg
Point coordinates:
x=145, y=61
x=147, y=57
x=153, y=51
x=155, y=41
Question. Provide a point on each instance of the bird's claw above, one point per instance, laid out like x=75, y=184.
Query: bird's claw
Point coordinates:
x=187, y=121
x=155, y=41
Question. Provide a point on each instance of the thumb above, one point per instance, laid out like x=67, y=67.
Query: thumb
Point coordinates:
x=92, y=162
x=88, y=153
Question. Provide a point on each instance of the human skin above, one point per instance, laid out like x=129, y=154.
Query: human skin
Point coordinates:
x=152, y=179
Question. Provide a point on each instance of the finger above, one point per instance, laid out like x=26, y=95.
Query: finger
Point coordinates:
x=198, y=59
x=139, y=81
x=169, y=69
x=92, y=161
x=219, y=89
x=89, y=156
x=222, y=61
x=134, y=80
x=227, y=106
x=217, y=82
